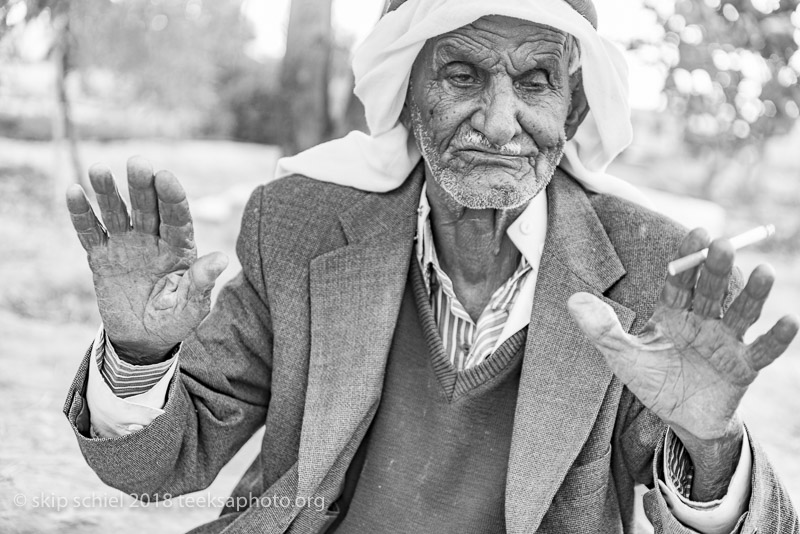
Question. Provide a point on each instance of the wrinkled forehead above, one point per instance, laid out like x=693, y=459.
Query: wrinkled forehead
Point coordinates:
x=495, y=29
x=493, y=37
x=584, y=7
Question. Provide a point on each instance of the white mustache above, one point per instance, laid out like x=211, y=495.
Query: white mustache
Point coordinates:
x=474, y=138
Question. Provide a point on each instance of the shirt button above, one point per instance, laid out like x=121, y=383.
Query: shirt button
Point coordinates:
x=134, y=428
x=526, y=228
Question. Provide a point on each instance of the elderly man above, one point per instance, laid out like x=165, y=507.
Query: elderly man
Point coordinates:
x=477, y=340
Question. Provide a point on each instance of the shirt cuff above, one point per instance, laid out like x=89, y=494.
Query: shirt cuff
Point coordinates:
x=714, y=517
x=126, y=379
x=112, y=416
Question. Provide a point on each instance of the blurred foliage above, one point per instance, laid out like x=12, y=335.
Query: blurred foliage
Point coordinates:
x=39, y=128
x=252, y=106
x=185, y=58
x=13, y=12
x=733, y=72
x=170, y=52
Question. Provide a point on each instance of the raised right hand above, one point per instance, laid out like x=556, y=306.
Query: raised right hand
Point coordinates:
x=152, y=291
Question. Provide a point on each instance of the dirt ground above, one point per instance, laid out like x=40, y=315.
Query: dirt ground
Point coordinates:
x=47, y=319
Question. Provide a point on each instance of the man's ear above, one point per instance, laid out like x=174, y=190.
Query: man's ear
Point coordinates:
x=578, y=107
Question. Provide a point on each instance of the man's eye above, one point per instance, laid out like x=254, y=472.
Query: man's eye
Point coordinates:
x=534, y=82
x=461, y=75
x=462, y=78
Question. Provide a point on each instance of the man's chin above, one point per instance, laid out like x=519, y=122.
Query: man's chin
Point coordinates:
x=482, y=198
x=485, y=193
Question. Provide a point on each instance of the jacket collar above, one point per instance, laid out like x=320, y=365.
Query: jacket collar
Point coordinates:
x=564, y=379
x=355, y=293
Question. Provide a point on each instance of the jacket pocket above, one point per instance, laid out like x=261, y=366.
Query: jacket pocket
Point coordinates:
x=585, y=480
x=586, y=502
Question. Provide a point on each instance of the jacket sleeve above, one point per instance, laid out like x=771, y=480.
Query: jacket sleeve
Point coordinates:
x=216, y=400
x=769, y=509
x=641, y=442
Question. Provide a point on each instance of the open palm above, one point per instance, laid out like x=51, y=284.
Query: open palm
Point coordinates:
x=152, y=291
x=690, y=365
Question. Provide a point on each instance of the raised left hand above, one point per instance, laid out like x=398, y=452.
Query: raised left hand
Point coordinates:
x=690, y=365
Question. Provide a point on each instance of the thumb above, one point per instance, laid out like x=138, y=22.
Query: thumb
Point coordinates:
x=598, y=321
x=204, y=272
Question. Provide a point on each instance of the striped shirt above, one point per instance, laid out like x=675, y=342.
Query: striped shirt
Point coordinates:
x=467, y=343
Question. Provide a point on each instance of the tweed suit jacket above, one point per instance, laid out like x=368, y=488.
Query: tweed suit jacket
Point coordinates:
x=298, y=342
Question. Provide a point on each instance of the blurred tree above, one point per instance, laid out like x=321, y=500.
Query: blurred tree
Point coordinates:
x=62, y=55
x=348, y=112
x=168, y=54
x=171, y=53
x=188, y=59
x=60, y=12
x=305, y=75
x=251, y=97
x=734, y=77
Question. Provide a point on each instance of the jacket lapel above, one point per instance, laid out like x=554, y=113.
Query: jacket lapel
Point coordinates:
x=356, y=293
x=564, y=379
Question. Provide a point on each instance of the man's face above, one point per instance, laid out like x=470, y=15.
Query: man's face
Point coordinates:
x=488, y=104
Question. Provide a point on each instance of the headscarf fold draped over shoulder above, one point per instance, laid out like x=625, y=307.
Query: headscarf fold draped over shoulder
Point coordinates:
x=382, y=160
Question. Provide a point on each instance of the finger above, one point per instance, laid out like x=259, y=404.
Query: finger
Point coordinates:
x=679, y=289
x=199, y=280
x=714, y=279
x=598, y=322
x=90, y=232
x=144, y=201
x=112, y=207
x=766, y=349
x=175, y=220
x=746, y=309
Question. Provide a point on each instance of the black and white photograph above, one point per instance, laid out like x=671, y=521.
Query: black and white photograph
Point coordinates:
x=399, y=266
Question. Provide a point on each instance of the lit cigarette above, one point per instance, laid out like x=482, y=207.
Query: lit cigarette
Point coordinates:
x=746, y=239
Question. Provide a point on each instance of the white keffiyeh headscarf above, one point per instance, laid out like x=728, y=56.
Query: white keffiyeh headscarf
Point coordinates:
x=382, y=160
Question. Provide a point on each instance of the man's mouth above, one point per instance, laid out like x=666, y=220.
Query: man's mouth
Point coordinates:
x=473, y=141
x=483, y=156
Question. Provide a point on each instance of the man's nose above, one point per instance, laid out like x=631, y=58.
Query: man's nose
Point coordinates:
x=498, y=118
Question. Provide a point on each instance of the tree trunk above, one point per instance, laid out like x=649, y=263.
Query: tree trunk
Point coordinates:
x=64, y=133
x=304, y=75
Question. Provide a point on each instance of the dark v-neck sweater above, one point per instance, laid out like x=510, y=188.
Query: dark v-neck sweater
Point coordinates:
x=435, y=458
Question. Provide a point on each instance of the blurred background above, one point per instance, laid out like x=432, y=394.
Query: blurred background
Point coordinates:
x=217, y=90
